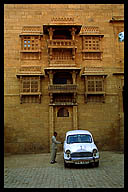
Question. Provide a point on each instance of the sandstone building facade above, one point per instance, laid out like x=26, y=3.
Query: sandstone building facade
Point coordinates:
x=63, y=70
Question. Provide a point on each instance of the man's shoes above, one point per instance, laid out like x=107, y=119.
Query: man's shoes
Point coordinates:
x=52, y=162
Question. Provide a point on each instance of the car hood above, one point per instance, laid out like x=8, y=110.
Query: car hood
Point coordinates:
x=81, y=147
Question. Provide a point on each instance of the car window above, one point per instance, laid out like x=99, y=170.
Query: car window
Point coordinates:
x=79, y=138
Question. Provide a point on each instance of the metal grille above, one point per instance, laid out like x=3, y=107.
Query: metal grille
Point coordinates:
x=82, y=154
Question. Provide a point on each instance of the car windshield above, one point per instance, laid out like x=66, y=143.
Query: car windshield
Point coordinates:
x=79, y=138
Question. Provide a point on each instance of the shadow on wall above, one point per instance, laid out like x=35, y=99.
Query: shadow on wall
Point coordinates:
x=111, y=140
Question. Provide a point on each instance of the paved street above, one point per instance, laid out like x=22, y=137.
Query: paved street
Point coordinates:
x=35, y=171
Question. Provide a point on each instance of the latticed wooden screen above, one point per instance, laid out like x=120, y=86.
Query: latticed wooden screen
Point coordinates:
x=30, y=90
x=91, y=48
x=94, y=84
x=30, y=43
x=94, y=89
x=91, y=43
x=30, y=47
x=30, y=84
x=63, y=98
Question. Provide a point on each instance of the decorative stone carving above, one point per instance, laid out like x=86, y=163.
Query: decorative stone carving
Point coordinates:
x=62, y=20
x=32, y=29
x=89, y=29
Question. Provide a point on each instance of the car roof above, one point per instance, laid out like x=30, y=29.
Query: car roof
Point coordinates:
x=74, y=132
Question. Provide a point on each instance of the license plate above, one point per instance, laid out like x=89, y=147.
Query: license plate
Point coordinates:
x=82, y=162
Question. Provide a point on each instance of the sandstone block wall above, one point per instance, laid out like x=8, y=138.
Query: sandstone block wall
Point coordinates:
x=28, y=126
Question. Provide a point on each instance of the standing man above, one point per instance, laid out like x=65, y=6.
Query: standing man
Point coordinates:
x=54, y=148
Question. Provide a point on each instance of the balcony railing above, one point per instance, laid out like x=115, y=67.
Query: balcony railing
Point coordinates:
x=62, y=88
x=61, y=43
x=30, y=69
x=62, y=61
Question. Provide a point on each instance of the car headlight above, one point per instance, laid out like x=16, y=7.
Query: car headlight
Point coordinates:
x=95, y=151
x=68, y=153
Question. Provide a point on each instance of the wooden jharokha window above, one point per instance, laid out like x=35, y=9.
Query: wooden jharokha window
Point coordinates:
x=30, y=91
x=92, y=43
x=94, y=89
x=92, y=47
x=30, y=47
x=30, y=43
x=30, y=84
x=95, y=84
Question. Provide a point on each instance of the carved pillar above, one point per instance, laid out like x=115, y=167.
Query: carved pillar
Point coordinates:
x=75, y=119
x=51, y=124
x=39, y=84
x=74, y=99
x=51, y=77
x=83, y=46
x=74, y=77
x=73, y=30
x=73, y=33
x=51, y=83
x=51, y=98
x=50, y=30
x=73, y=53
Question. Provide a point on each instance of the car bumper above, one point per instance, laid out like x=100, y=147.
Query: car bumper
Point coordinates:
x=82, y=160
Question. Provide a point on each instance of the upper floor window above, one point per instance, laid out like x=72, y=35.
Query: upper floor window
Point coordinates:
x=30, y=43
x=94, y=88
x=95, y=84
x=92, y=47
x=91, y=43
x=30, y=91
x=30, y=84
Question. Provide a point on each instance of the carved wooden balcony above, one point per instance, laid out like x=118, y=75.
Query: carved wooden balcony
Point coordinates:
x=62, y=61
x=64, y=102
x=63, y=43
x=62, y=88
x=30, y=70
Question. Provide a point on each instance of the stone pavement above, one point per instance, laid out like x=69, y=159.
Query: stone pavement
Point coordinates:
x=35, y=171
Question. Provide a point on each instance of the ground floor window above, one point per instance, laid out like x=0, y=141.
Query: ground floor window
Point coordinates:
x=63, y=112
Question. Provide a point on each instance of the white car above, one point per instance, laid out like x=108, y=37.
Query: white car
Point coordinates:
x=79, y=148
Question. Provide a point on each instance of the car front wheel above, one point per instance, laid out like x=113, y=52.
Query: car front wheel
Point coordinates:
x=96, y=164
x=66, y=165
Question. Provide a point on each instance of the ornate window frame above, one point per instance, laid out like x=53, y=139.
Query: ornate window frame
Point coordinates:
x=91, y=43
x=31, y=42
x=94, y=88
